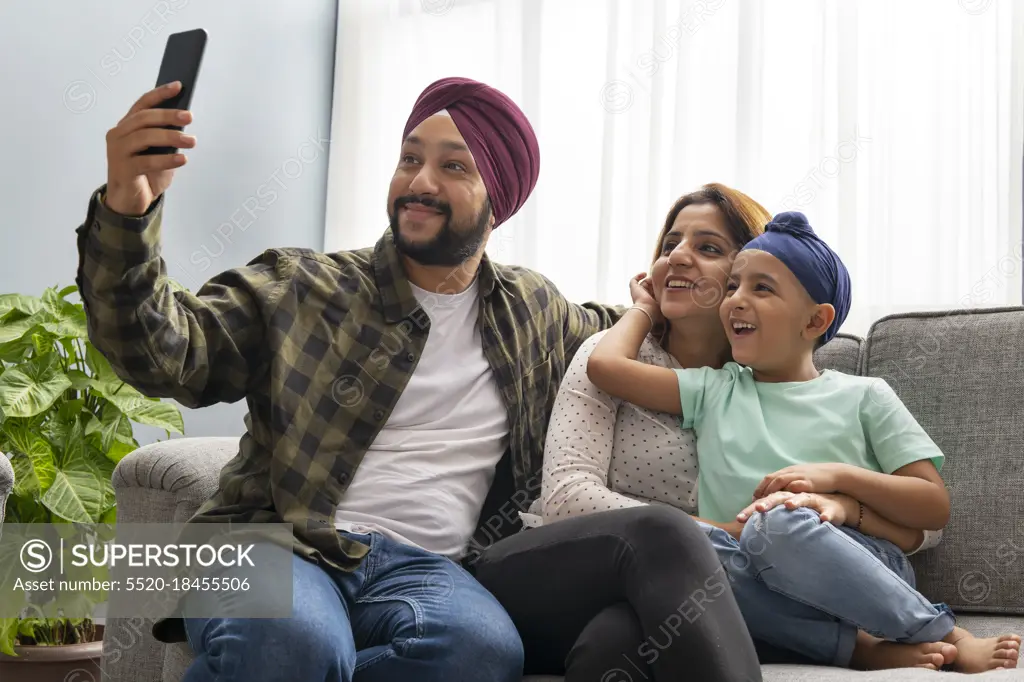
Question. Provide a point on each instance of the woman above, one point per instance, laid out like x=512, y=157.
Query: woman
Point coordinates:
x=617, y=596
x=634, y=457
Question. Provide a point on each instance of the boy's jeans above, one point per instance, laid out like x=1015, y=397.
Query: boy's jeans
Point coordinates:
x=404, y=614
x=808, y=586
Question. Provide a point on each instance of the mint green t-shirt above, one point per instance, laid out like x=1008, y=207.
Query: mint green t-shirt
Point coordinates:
x=748, y=429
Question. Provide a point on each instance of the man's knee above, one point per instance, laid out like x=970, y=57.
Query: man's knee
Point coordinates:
x=239, y=647
x=491, y=644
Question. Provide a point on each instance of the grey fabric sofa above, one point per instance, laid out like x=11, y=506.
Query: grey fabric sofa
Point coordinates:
x=6, y=483
x=961, y=373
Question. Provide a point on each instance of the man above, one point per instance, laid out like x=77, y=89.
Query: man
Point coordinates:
x=397, y=394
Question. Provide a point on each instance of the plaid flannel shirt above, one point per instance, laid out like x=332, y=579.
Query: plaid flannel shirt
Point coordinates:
x=320, y=346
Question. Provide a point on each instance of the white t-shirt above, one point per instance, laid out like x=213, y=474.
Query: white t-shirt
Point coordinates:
x=425, y=477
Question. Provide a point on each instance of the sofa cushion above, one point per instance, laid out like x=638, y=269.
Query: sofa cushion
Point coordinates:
x=842, y=354
x=961, y=374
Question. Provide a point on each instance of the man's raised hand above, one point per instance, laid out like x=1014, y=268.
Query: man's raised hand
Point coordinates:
x=135, y=180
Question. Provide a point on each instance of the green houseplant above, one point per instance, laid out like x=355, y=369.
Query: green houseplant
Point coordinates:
x=65, y=421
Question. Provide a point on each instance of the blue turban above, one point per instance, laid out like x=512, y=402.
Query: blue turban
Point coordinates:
x=819, y=269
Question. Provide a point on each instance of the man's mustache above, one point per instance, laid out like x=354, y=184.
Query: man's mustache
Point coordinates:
x=429, y=202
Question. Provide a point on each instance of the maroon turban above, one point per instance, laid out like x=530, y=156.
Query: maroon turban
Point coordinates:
x=496, y=131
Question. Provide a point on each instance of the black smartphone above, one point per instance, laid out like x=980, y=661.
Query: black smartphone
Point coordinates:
x=182, y=59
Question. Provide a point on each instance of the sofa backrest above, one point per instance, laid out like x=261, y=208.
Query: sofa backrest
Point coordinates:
x=961, y=374
x=842, y=354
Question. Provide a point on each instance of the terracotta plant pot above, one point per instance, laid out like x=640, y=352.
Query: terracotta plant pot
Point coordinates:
x=69, y=663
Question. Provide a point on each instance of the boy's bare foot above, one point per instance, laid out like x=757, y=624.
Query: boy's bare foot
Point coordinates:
x=976, y=654
x=872, y=653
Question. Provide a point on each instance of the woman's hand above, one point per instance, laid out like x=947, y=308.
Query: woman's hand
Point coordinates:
x=837, y=509
x=804, y=478
x=642, y=291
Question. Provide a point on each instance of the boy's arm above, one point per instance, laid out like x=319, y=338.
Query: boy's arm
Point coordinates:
x=909, y=493
x=914, y=495
x=613, y=367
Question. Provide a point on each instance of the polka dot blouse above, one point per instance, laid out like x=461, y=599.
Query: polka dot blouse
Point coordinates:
x=603, y=453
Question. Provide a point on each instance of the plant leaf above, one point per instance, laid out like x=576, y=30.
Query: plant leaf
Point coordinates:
x=119, y=449
x=22, y=509
x=34, y=463
x=70, y=410
x=14, y=352
x=99, y=365
x=68, y=290
x=52, y=301
x=147, y=411
x=32, y=387
x=22, y=327
x=73, y=327
x=74, y=445
x=80, y=381
x=8, y=632
x=110, y=426
x=82, y=490
x=30, y=305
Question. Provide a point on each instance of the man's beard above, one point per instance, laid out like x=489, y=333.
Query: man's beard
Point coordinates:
x=453, y=245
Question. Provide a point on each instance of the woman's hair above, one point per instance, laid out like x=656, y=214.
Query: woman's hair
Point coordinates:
x=744, y=217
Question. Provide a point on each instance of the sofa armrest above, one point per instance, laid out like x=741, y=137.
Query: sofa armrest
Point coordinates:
x=166, y=482
x=6, y=482
x=159, y=483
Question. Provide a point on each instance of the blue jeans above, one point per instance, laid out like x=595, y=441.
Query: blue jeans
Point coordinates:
x=808, y=586
x=404, y=614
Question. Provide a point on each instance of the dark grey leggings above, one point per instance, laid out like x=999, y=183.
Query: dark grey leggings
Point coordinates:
x=631, y=595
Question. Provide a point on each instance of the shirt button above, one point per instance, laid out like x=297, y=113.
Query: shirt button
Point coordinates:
x=410, y=357
x=378, y=415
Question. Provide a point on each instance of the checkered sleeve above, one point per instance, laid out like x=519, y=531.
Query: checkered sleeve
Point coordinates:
x=197, y=348
x=580, y=321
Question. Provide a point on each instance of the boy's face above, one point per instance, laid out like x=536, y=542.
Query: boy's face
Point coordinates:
x=769, y=317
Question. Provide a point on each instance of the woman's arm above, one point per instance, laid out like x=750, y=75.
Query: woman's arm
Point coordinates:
x=875, y=525
x=579, y=444
x=913, y=496
x=613, y=367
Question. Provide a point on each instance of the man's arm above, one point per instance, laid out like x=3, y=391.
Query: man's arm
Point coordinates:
x=581, y=321
x=198, y=349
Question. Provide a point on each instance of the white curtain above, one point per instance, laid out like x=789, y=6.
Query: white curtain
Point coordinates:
x=897, y=126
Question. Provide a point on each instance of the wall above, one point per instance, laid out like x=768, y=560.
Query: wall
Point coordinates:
x=256, y=179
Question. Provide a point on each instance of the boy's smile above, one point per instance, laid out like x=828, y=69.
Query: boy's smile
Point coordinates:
x=770, y=319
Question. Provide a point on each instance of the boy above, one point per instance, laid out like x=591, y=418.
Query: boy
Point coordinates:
x=824, y=444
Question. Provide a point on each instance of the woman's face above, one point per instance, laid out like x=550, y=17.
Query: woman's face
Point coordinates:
x=691, y=272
